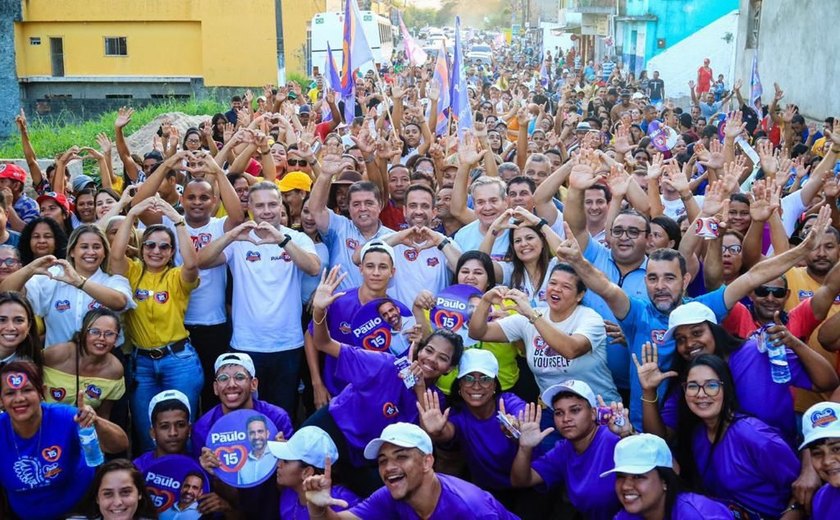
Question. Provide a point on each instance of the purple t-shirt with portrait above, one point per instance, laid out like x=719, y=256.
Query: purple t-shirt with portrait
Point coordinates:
x=591, y=495
x=290, y=506
x=757, y=394
x=826, y=503
x=751, y=465
x=375, y=398
x=458, y=499
x=340, y=322
x=689, y=506
x=489, y=452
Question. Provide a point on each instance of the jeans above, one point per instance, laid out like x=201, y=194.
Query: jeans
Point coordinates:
x=178, y=371
x=279, y=377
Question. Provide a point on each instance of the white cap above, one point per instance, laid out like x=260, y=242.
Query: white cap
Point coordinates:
x=377, y=244
x=310, y=444
x=690, y=313
x=477, y=360
x=638, y=454
x=236, y=358
x=637, y=95
x=820, y=422
x=405, y=435
x=167, y=395
x=573, y=386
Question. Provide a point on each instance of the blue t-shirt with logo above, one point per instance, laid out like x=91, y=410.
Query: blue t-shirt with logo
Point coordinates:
x=46, y=475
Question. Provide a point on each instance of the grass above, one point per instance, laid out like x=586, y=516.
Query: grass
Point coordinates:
x=52, y=136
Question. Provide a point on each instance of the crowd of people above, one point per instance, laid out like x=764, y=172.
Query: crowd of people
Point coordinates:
x=593, y=304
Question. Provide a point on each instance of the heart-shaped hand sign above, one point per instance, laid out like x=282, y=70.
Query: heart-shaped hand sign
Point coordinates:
x=161, y=498
x=231, y=457
x=378, y=340
x=450, y=320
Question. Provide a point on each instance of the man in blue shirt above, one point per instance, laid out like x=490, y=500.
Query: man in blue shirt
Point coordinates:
x=646, y=319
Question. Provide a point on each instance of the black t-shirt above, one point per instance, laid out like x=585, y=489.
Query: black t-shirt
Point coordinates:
x=657, y=87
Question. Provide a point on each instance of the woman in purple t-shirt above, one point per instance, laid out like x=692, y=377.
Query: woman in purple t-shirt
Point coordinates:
x=648, y=487
x=733, y=457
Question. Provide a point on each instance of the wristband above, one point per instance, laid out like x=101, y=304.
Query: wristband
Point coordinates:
x=285, y=241
x=443, y=243
x=81, y=285
x=537, y=315
x=541, y=223
x=181, y=222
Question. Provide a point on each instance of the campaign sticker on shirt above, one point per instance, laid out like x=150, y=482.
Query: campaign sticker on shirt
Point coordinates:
x=166, y=475
x=381, y=324
x=240, y=442
x=453, y=309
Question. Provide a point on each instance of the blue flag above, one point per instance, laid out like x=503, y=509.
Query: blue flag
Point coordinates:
x=442, y=73
x=355, y=53
x=459, y=95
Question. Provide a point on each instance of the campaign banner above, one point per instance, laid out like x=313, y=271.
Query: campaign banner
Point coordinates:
x=165, y=476
x=239, y=440
x=453, y=309
x=381, y=325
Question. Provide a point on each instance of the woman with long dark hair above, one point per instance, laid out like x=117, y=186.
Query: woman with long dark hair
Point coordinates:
x=18, y=330
x=87, y=363
x=119, y=492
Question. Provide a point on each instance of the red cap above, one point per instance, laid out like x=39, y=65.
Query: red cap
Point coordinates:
x=12, y=171
x=59, y=199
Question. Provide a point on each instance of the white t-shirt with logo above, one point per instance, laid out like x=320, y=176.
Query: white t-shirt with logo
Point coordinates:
x=343, y=238
x=469, y=238
x=207, y=301
x=418, y=270
x=266, y=294
x=550, y=367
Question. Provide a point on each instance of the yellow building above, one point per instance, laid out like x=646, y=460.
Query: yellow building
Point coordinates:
x=150, y=48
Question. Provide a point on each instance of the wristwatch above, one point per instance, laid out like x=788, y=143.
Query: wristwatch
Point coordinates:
x=285, y=241
x=443, y=243
x=534, y=317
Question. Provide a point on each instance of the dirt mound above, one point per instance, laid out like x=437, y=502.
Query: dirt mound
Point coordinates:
x=140, y=142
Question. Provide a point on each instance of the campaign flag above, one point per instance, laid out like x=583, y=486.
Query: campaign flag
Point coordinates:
x=332, y=82
x=460, y=97
x=755, y=85
x=441, y=76
x=544, y=79
x=355, y=53
x=415, y=54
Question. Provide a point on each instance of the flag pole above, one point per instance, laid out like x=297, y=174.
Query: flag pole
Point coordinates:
x=387, y=99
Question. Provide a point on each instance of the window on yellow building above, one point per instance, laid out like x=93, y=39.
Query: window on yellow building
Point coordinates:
x=116, y=46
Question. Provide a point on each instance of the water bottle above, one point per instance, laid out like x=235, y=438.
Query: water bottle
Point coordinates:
x=90, y=447
x=779, y=368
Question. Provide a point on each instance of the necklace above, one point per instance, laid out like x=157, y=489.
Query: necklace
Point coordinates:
x=37, y=445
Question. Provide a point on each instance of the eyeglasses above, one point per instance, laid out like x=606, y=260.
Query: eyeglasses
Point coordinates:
x=763, y=291
x=99, y=333
x=632, y=233
x=711, y=388
x=296, y=162
x=194, y=141
x=482, y=380
x=734, y=249
x=9, y=262
x=163, y=246
x=239, y=377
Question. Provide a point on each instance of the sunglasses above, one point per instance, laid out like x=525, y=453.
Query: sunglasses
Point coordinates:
x=297, y=162
x=764, y=291
x=151, y=244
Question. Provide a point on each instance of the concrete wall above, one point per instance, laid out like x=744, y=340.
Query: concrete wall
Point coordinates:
x=794, y=50
x=9, y=92
x=679, y=63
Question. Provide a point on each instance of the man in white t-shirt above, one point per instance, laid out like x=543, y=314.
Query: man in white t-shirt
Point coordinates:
x=267, y=261
x=424, y=258
x=206, y=318
x=344, y=236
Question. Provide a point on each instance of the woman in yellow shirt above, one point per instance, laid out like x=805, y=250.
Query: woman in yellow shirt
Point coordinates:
x=87, y=364
x=162, y=358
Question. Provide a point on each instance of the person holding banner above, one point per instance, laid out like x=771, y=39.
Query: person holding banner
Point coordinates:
x=379, y=392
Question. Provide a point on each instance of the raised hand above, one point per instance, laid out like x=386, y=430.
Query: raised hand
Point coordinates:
x=569, y=250
x=318, y=489
x=468, y=150
x=123, y=117
x=815, y=236
x=622, y=140
x=654, y=169
x=583, y=176
x=325, y=293
x=431, y=418
x=735, y=125
x=650, y=376
x=713, y=201
x=530, y=435
x=675, y=178
x=764, y=199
